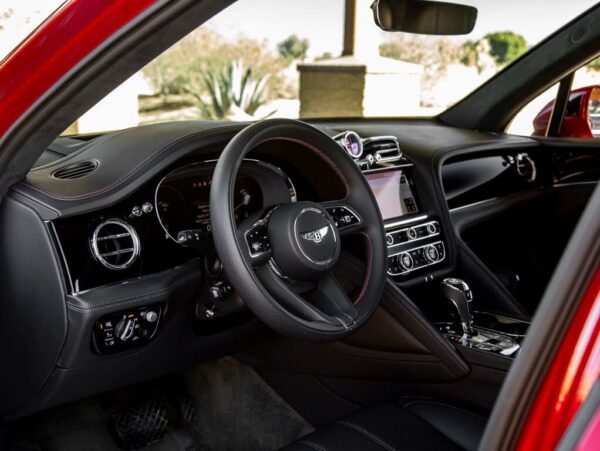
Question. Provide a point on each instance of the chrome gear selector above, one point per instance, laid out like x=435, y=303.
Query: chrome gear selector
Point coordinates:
x=460, y=295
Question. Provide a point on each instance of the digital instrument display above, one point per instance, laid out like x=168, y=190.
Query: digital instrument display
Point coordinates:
x=394, y=193
x=183, y=202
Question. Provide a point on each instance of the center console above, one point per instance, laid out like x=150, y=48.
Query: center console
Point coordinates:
x=479, y=330
x=414, y=241
x=417, y=251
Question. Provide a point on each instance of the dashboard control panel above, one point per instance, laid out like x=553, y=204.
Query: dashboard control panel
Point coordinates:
x=418, y=232
x=126, y=329
x=409, y=250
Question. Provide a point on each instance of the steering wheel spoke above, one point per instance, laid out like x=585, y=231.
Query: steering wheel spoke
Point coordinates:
x=324, y=301
x=254, y=237
x=345, y=217
x=331, y=298
x=290, y=296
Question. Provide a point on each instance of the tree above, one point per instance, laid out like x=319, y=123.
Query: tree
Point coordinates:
x=594, y=65
x=505, y=46
x=293, y=47
x=434, y=53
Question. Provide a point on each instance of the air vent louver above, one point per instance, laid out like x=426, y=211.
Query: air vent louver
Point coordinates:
x=75, y=170
x=383, y=148
x=115, y=244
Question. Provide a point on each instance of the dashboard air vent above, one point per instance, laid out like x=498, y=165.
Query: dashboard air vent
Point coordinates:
x=115, y=244
x=526, y=167
x=383, y=148
x=75, y=170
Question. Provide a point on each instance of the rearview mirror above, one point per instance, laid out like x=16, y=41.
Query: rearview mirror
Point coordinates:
x=424, y=17
x=582, y=115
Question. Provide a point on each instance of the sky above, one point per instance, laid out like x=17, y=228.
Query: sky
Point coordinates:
x=321, y=21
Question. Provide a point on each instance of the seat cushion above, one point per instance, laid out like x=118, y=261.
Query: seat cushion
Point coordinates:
x=415, y=425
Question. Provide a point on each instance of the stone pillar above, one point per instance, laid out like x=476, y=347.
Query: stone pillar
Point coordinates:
x=360, y=83
x=350, y=87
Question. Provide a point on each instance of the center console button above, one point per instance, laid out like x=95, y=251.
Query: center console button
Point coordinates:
x=411, y=233
x=432, y=228
x=389, y=239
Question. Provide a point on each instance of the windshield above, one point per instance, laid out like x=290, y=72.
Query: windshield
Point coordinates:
x=318, y=58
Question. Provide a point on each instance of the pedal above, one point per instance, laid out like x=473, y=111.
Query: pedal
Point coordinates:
x=140, y=425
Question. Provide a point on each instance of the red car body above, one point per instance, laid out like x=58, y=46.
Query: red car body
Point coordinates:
x=576, y=123
x=81, y=27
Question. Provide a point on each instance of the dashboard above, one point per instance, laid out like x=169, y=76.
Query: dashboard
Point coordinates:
x=116, y=235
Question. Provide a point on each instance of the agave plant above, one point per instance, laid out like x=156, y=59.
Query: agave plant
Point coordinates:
x=232, y=89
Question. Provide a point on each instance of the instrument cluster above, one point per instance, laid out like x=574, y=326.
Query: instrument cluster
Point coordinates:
x=182, y=197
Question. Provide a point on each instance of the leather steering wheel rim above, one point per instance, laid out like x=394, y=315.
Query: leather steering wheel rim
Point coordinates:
x=327, y=316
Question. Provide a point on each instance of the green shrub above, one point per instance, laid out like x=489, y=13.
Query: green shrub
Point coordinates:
x=230, y=87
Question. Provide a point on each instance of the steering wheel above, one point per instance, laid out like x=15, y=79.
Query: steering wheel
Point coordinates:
x=280, y=261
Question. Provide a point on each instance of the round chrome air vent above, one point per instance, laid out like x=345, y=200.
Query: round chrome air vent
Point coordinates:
x=115, y=244
x=526, y=167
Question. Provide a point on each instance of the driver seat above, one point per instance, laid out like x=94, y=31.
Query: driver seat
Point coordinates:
x=412, y=425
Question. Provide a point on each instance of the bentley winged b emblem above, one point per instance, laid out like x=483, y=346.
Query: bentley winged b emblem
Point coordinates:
x=316, y=236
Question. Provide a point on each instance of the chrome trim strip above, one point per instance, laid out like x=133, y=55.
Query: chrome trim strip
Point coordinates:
x=113, y=237
x=405, y=221
x=567, y=184
x=118, y=252
x=388, y=168
x=474, y=204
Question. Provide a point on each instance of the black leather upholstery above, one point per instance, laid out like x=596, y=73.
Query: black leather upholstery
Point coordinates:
x=415, y=425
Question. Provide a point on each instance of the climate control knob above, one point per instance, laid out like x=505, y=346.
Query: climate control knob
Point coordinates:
x=406, y=261
x=431, y=254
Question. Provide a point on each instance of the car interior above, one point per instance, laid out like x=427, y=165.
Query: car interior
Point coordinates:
x=321, y=284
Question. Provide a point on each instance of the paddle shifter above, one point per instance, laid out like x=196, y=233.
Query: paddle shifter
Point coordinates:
x=461, y=296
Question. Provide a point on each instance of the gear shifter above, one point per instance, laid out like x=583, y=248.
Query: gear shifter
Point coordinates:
x=461, y=296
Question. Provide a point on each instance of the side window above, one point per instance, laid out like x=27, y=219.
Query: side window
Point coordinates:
x=581, y=118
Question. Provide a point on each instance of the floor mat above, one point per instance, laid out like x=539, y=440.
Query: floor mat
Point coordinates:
x=237, y=410
x=222, y=405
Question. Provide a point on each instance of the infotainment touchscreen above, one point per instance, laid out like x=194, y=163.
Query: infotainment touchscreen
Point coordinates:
x=393, y=191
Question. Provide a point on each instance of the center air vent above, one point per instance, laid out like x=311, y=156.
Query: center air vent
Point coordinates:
x=526, y=167
x=383, y=148
x=75, y=170
x=115, y=244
